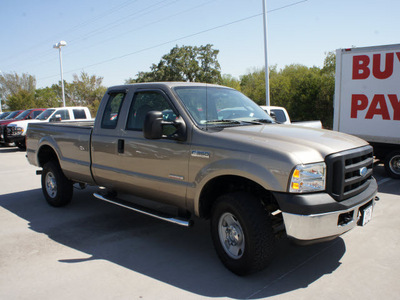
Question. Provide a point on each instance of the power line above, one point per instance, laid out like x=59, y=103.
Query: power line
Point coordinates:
x=177, y=39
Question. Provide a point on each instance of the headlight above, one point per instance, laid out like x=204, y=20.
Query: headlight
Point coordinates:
x=19, y=130
x=308, y=178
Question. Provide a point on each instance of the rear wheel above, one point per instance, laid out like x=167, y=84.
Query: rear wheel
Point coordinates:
x=56, y=188
x=242, y=233
x=392, y=164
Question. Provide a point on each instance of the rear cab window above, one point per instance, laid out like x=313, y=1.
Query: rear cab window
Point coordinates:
x=112, y=110
x=79, y=114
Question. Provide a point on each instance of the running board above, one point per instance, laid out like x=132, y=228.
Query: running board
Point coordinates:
x=146, y=211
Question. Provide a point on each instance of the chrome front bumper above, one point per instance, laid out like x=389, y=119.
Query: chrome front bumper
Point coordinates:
x=323, y=225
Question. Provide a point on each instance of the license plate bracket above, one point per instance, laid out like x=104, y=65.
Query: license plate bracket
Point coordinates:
x=366, y=214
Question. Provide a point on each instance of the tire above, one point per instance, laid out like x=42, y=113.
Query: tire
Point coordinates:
x=57, y=189
x=392, y=164
x=242, y=233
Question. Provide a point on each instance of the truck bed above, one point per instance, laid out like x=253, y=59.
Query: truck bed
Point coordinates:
x=71, y=140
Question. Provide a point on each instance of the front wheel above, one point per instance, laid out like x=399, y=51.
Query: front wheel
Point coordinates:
x=57, y=189
x=242, y=233
x=392, y=164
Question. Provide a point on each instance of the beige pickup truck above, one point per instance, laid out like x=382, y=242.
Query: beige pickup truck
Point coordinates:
x=174, y=150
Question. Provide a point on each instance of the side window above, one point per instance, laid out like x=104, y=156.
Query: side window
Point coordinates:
x=279, y=115
x=64, y=113
x=111, y=112
x=143, y=102
x=79, y=114
x=36, y=113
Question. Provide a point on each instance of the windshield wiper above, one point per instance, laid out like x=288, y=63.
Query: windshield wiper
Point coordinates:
x=260, y=121
x=223, y=121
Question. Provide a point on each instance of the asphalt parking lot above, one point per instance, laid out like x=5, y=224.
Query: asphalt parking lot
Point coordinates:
x=94, y=250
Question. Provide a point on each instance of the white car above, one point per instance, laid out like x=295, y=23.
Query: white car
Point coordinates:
x=16, y=131
x=281, y=115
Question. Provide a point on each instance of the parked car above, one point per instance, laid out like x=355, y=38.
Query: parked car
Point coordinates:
x=3, y=115
x=281, y=115
x=25, y=115
x=7, y=120
x=16, y=131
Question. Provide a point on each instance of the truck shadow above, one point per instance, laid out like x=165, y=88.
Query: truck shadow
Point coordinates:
x=180, y=257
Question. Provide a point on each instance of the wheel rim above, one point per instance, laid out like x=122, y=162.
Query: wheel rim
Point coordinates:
x=231, y=235
x=51, y=185
x=394, y=164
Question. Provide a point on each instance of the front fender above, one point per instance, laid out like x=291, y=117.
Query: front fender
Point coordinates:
x=270, y=179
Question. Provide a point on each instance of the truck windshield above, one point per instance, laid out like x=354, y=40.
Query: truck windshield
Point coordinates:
x=221, y=106
x=23, y=115
x=12, y=115
x=46, y=114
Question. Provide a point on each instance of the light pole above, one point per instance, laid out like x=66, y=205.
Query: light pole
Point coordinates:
x=58, y=46
x=266, y=53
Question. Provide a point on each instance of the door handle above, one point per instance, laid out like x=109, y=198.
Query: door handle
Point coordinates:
x=121, y=146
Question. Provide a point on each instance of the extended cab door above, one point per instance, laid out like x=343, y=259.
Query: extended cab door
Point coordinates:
x=124, y=160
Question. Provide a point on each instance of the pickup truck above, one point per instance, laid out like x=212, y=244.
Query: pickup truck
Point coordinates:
x=8, y=119
x=15, y=132
x=170, y=150
x=24, y=115
x=281, y=115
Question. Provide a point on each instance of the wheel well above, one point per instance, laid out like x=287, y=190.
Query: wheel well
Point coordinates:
x=46, y=154
x=228, y=184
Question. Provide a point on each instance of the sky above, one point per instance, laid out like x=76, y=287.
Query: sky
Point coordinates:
x=116, y=39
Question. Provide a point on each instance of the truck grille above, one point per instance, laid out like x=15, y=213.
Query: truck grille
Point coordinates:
x=10, y=130
x=349, y=172
x=2, y=133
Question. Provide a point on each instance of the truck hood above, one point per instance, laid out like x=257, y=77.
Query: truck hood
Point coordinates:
x=306, y=144
x=24, y=123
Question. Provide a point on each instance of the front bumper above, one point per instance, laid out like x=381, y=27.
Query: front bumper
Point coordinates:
x=313, y=217
x=15, y=138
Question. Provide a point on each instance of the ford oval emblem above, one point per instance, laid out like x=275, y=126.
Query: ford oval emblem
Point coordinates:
x=363, y=171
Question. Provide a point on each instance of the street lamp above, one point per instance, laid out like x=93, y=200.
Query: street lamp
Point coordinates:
x=58, y=46
x=267, y=101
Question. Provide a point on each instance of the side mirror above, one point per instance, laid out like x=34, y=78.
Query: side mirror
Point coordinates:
x=153, y=127
x=273, y=115
x=56, y=118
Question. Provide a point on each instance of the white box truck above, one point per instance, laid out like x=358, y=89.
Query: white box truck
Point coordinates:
x=367, y=99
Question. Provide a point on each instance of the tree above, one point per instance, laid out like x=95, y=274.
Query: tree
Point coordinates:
x=87, y=91
x=253, y=85
x=21, y=100
x=16, y=87
x=46, y=97
x=230, y=81
x=186, y=63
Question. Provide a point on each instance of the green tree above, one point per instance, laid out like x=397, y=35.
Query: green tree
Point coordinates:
x=230, y=81
x=16, y=87
x=87, y=91
x=253, y=85
x=186, y=63
x=21, y=100
x=46, y=97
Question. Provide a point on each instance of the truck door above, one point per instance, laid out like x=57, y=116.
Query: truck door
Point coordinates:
x=153, y=169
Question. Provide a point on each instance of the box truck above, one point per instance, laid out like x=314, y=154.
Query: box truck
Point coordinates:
x=367, y=99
